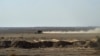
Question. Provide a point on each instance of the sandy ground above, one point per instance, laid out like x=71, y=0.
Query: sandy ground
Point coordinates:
x=26, y=36
x=50, y=52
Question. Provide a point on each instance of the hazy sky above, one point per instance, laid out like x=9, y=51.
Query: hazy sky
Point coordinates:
x=23, y=13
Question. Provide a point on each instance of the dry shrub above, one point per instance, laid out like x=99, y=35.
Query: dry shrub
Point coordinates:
x=2, y=37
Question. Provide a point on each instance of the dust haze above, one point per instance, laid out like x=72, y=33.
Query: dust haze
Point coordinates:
x=96, y=30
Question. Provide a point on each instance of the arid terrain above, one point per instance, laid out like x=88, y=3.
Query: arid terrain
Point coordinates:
x=28, y=43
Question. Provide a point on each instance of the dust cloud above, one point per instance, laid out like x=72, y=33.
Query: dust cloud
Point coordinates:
x=96, y=30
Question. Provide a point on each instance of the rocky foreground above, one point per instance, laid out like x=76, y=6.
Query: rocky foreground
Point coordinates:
x=53, y=47
x=50, y=44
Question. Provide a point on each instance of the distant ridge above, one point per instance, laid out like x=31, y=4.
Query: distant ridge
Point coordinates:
x=32, y=29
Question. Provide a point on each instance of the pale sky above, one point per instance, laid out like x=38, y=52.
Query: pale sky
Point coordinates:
x=32, y=13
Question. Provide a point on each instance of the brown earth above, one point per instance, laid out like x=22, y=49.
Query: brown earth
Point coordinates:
x=15, y=50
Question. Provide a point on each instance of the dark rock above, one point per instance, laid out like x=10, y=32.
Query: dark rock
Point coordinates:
x=5, y=44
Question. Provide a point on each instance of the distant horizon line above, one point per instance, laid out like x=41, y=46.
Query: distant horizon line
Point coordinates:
x=43, y=26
